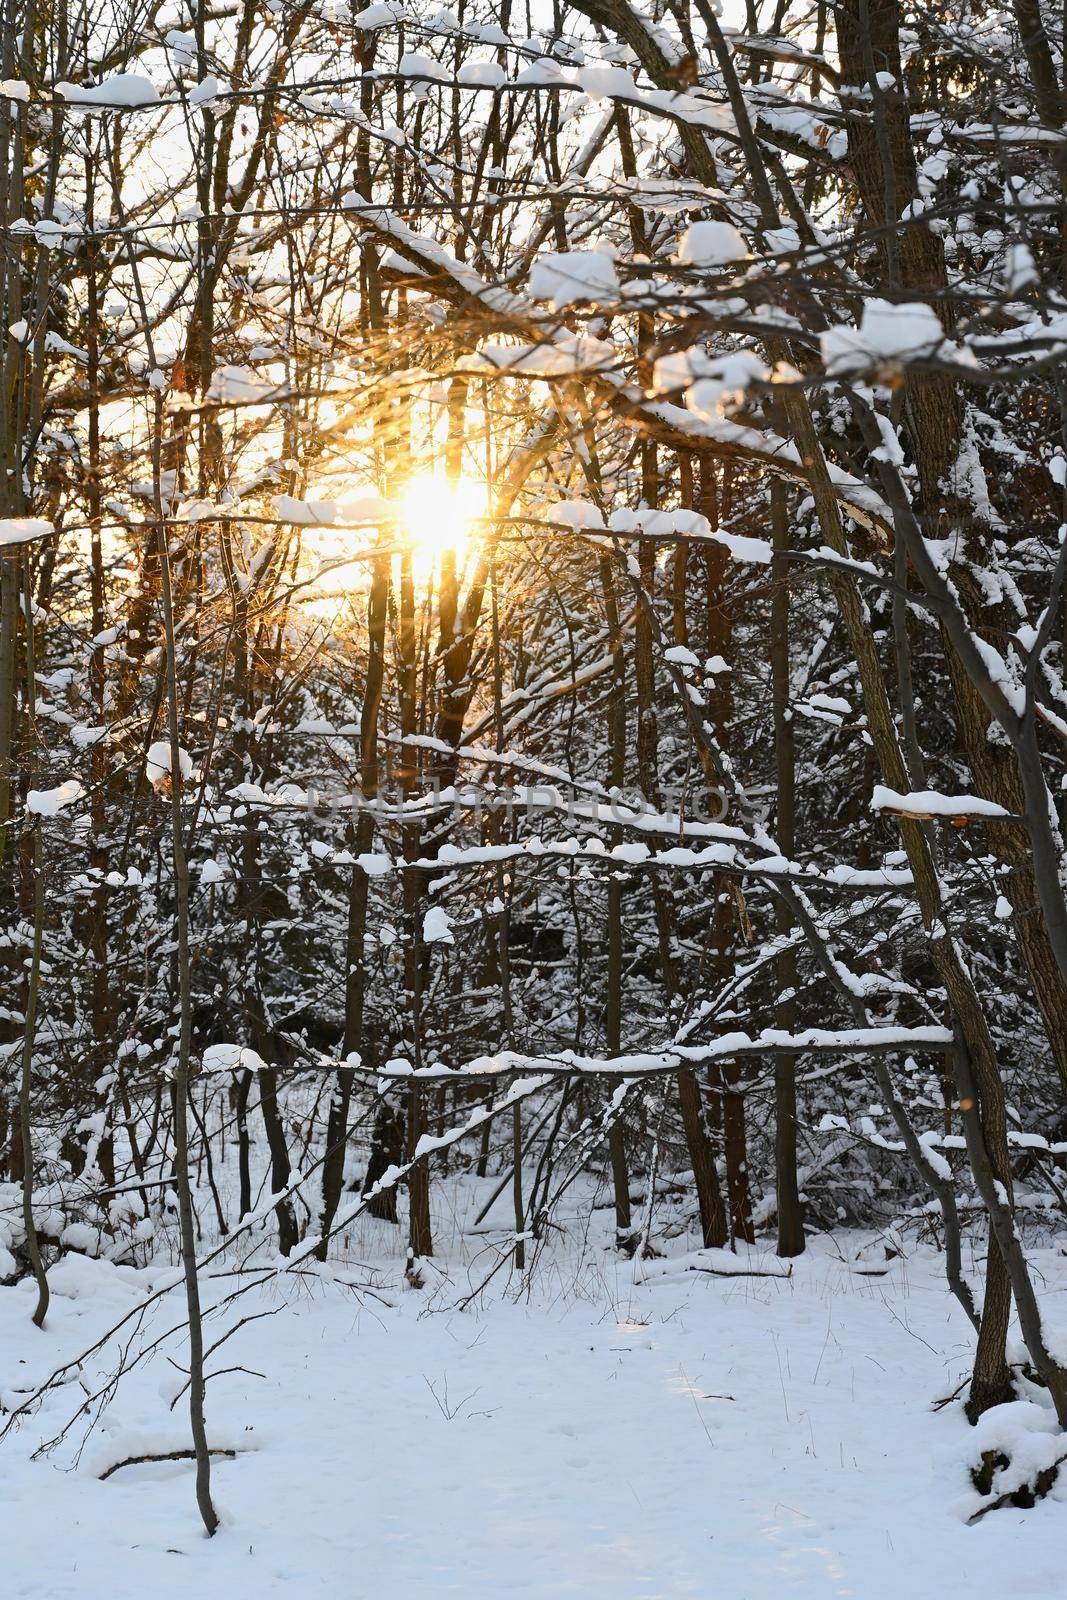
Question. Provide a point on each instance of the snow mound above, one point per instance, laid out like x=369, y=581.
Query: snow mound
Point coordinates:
x=20, y=530
x=158, y=763
x=481, y=74
x=887, y=334
x=436, y=927
x=124, y=91
x=48, y=802
x=379, y=16
x=573, y=275
x=928, y=803
x=711, y=244
x=1013, y=1456
x=235, y=386
x=232, y=1058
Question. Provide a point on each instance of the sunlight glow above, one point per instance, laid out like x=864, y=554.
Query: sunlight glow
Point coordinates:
x=440, y=517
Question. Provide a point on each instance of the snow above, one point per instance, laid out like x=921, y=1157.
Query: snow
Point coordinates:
x=232, y=1058
x=207, y=89
x=182, y=45
x=929, y=803
x=711, y=244
x=607, y=83
x=21, y=530
x=692, y=1422
x=379, y=16
x=742, y=548
x=577, y=514
x=666, y=1061
x=887, y=333
x=929, y=1141
x=1020, y=269
x=233, y=386
x=900, y=330
x=858, y=499
x=573, y=275
x=831, y=702
x=623, y=1431
x=436, y=927
x=80, y=1236
x=716, y=380
x=413, y=64
x=632, y=854
x=366, y=508
x=307, y=513
x=443, y=21
x=158, y=763
x=49, y=802
x=780, y=241
x=127, y=90
x=1025, y=1434
x=566, y=354
x=351, y=511
x=481, y=74
x=544, y=74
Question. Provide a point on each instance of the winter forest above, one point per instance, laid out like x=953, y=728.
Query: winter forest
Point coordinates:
x=533, y=787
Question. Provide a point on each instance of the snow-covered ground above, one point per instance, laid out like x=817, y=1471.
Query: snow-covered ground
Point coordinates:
x=586, y=1435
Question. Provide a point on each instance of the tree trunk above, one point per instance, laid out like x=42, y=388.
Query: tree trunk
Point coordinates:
x=790, y=1215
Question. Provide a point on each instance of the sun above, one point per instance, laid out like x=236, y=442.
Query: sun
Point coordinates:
x=431, y=517
x=440, y=517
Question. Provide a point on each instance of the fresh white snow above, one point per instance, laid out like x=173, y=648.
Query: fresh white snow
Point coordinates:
x=613, y=1430
x=887, y=332
x=158, y=762
x=125, y=90
x=572, y=275
x=711, y=244
x=49, y=802
x=929, y=803
x=21, y=530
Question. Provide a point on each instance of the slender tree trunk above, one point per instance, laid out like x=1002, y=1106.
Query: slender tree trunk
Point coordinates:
x=420, y=1236
x=182, y=1067
x=362, y=833
x=620, y=1173
x=33, y=990
x=96, y=926
x=280, y=1165
x=720, y=636
x=790, y=1216
x=244, y=1173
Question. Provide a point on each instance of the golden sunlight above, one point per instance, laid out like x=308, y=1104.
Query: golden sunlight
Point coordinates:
x=440, y=516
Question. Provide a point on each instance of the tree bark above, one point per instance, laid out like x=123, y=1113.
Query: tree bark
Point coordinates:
x=787, y=1194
